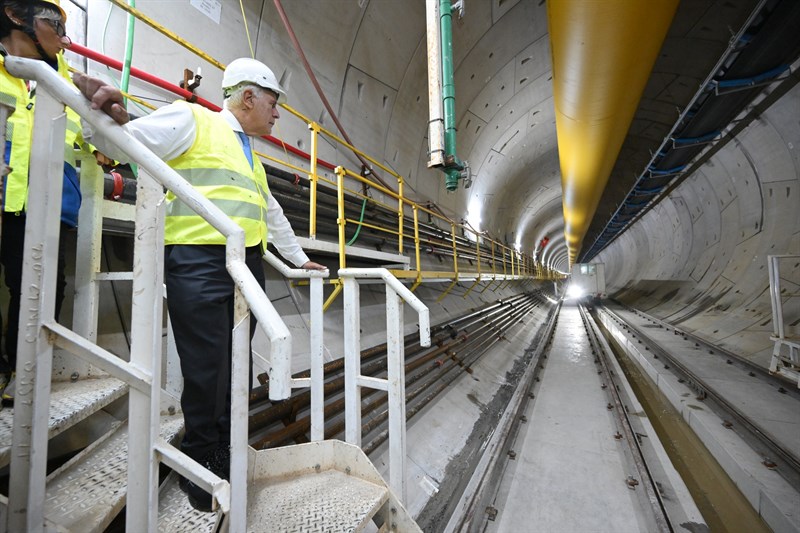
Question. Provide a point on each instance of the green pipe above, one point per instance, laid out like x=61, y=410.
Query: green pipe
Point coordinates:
x=126, y=68
x=452, y=164
x=451, y=181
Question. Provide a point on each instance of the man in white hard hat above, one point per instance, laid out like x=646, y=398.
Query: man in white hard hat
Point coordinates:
x=212, y=151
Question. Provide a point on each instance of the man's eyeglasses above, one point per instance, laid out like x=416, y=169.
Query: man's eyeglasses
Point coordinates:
x=57, y=25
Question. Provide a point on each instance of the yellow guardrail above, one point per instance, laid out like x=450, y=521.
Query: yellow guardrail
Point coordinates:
x=514, y=264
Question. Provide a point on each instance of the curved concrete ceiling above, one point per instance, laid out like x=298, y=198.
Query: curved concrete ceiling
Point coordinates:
x=712, y=233
x=370, y=59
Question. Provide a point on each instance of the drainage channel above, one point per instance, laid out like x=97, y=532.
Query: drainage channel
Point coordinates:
x=747, y=419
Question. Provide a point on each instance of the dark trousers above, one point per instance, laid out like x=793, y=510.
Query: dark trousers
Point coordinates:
x=12, y=242
x=200, y=302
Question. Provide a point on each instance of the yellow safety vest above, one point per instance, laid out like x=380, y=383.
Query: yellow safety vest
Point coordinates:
x=216, y=166
x=13, y=92
x=19, y=133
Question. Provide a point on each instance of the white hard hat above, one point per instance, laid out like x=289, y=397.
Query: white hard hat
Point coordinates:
x=250, y=70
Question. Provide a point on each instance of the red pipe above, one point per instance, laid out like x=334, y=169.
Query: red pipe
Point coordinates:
x=183, y=93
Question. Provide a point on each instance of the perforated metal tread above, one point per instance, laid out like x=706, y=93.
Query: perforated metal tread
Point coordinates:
x=69, y=404
x=330, y=501
x=175, y=515
x=88, y=492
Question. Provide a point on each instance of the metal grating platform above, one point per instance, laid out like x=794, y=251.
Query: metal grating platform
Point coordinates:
x=175, y=515
x=327, y=501
x=89, y=491
x=69, y=404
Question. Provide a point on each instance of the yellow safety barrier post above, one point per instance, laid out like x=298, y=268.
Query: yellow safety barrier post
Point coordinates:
x=494, y=272
x=417, y=282
x=478, y=256
x=312, y=178
x=455, y=263
x=400, y=215
x=341, y=220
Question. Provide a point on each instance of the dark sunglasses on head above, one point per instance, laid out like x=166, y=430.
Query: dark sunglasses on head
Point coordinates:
x=57, y=25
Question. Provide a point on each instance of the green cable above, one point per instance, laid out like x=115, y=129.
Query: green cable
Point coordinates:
x=360, y=221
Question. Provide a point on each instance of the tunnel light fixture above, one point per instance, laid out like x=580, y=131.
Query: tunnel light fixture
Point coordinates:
x=574, y=292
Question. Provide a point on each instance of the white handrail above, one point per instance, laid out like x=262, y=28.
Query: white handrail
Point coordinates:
x=142, y=464
x=316, y=345
x=778, y=363
x=276, y=330
x=293, y=273
x=394, y=384
x=403, y=291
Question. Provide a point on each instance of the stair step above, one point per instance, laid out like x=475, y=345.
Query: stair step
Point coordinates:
x=326, y=501
x=70, y=402
x=175, y=515
x=89, y=491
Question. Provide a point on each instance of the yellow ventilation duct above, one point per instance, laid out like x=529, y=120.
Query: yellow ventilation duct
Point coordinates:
x=603, y=52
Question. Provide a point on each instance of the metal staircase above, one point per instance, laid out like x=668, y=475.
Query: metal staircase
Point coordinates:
x=320, y=486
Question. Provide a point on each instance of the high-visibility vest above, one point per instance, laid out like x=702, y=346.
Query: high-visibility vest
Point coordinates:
x=19, y=133
x=19, y=128
x=217, y=167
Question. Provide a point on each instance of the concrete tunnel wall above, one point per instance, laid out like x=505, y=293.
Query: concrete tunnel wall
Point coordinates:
x=699, y=259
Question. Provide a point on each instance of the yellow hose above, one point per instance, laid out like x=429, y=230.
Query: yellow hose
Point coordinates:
x=603, y=52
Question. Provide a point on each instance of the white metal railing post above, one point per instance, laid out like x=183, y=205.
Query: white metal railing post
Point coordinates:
x=317, y=362
x=89, y=247
x=775, y=294
x=789, y=364
x=146, y=317
x=394, y=384
x=352, y=360
x=395, y=352
x=37, y=306
x=240, y=407
x=281, y=376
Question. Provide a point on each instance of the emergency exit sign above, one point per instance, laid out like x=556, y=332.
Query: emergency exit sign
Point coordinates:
x=210, y=8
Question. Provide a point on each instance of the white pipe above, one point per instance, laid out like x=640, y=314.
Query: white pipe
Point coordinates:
x=435, y=107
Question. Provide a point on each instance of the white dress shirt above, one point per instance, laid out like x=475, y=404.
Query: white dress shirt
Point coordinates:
x=169, y=132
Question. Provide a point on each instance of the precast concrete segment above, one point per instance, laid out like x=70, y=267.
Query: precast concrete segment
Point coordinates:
x=569, y=473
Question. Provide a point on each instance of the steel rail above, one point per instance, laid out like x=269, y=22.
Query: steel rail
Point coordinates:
x=734, y=358
x=781, y=455
x=647, y=482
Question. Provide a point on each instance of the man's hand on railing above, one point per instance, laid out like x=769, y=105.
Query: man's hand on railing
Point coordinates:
x=311, y=265
x=103, y=96
x=102, y=159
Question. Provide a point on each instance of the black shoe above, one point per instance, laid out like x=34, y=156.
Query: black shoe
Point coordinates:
x=198, y=498
x=218, y=461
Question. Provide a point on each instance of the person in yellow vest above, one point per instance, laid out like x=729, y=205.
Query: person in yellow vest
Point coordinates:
x=32, y=29
x=212, y=152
